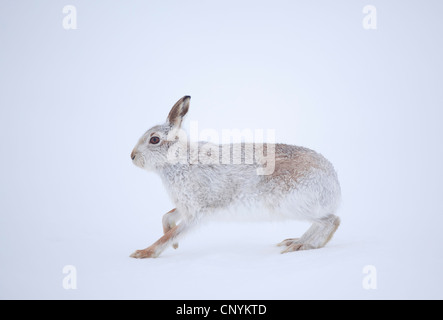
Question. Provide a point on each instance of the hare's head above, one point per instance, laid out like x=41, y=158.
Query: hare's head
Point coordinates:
x=153, y=148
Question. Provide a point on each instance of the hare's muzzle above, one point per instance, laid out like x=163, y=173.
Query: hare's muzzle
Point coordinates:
x=133, y=155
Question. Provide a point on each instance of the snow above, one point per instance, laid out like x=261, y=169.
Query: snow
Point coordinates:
x=74, y=102
x=219, y=261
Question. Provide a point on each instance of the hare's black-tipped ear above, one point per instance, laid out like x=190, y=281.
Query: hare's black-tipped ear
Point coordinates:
x=178, y=112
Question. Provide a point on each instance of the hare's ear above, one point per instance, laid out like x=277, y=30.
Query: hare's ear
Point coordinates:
x=178, y=112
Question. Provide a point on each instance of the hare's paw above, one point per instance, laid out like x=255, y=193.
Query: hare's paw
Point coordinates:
x=145, y=253
x=295, y=245
x=288, y=242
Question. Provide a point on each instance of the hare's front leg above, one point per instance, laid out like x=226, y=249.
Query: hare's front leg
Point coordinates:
x=169, y=221
x=161, y=244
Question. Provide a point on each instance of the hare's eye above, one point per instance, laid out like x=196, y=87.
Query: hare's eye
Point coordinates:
x=154, y=140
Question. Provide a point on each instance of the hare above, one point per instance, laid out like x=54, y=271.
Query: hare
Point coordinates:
x=290, y=182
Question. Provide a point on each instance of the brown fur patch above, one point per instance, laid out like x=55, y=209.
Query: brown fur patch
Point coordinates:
x=152, y=251
x=166, y=237
x=291, y=167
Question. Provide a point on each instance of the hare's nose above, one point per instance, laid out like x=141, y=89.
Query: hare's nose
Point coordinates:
x=133, y=155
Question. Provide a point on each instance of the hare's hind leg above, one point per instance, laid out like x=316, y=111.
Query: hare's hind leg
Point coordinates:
x=317, y=236
x=169, y=221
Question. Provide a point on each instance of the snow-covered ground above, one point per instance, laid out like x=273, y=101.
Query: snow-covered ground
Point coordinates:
x=74, y=102
x=219, y=261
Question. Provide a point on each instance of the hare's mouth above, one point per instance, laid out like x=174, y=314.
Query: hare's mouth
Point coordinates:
x=139, y=161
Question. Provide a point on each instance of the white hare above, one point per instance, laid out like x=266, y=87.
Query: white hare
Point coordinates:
x=288, y=181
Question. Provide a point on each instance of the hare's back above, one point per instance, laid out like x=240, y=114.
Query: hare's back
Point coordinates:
x=296, y=167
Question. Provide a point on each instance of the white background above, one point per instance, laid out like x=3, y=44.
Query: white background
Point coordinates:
x=73, y=104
